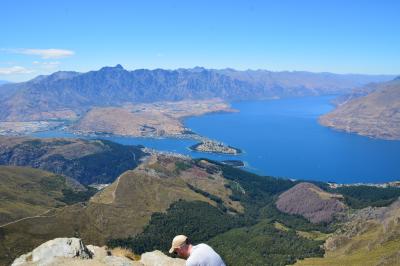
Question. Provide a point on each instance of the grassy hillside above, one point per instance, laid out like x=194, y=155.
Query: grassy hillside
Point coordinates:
x=87, y=161
x=260, y=235
x=27, y=192
x=123, y=208
x=371, y=237
x=242, y=238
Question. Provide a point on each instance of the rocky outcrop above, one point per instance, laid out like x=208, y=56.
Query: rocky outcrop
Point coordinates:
x=46, y=253
x=384, y=221
x=72, y=252
x=157, y=258
x=311, y=202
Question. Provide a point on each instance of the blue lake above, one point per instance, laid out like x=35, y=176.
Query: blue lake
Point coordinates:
x=283, y=138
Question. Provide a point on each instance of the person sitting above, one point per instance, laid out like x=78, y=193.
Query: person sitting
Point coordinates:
x=198, y=255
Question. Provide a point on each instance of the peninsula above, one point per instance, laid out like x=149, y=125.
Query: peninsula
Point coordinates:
x=158, y=119
x=375, y=115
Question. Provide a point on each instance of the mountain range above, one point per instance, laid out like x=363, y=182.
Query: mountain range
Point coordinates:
x=67, y=94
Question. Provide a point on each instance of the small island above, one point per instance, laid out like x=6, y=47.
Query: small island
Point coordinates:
x=215, y=147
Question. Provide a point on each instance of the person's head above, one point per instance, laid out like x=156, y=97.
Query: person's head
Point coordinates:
x=181, y=246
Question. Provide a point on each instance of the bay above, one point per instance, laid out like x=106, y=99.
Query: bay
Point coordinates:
x=283, y=138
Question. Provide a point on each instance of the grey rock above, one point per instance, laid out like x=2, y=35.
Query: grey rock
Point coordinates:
x=119, y=261
x=157, y=258
x=46, y=253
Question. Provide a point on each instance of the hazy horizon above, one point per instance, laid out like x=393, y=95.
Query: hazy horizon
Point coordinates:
x=341, y=37
x=226, y=68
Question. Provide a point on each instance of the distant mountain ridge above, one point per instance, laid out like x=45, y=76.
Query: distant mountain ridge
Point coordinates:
x=70, y=93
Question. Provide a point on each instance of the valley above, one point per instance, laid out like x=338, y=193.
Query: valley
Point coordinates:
x=162, y=103
x=273, y=134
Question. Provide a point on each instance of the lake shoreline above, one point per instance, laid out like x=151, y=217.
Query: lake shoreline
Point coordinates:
x=283, y=138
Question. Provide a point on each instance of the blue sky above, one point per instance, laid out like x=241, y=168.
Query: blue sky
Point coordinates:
x=350, y=36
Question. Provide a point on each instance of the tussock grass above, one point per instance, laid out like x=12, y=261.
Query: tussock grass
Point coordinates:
x=124, y=252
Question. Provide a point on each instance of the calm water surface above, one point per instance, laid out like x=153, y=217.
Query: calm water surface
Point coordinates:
x=283, y=138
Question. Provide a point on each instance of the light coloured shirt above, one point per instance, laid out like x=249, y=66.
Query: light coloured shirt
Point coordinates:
x=204, y=255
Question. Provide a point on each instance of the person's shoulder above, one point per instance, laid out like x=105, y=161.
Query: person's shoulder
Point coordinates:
x=203, y=245
x=203, y=254
x=198, y=252
x=205, y=248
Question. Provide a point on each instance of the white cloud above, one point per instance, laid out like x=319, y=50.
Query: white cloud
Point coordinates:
x=46, y=65
x=48, y=53
x=43, y=53
x=14, y=70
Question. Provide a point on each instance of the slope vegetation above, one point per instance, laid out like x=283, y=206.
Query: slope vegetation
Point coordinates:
x=311, y=202
x=229, y=208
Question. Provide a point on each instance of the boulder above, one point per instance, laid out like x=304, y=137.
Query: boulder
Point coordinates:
x=46, y=253
x=119, y=261
x=157, y=258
